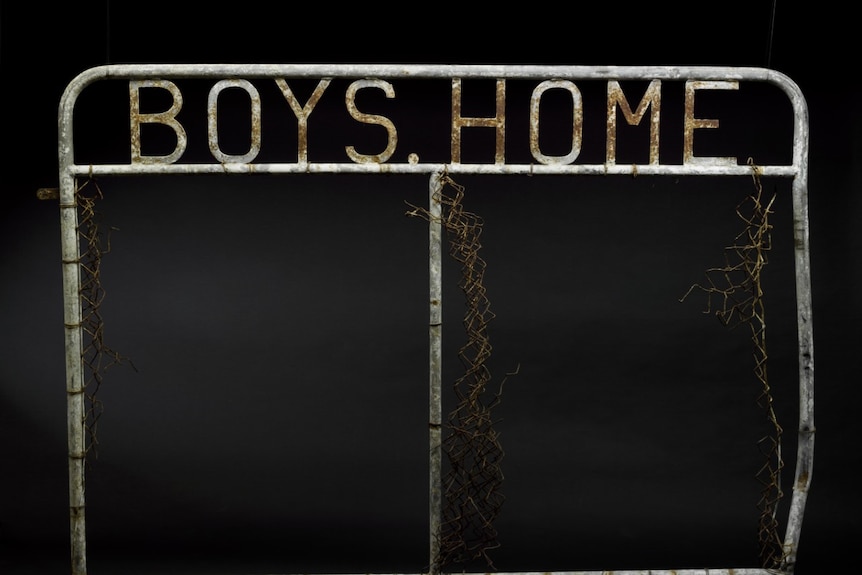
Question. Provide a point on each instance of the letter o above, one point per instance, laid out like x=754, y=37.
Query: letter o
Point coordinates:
x=577, y=121
x=212, y=121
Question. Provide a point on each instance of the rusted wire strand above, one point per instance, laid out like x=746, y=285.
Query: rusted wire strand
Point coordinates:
x=737, y=285
x=96, y=356
x=472, y=485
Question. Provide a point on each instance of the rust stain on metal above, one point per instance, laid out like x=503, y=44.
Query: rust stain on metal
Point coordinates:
x=135, y=121
x=48, y=194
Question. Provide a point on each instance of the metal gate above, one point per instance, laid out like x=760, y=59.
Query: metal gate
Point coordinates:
x=384, y=78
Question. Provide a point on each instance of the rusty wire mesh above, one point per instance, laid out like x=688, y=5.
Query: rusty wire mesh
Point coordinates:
x=96, y=356
x=737, y=287
x=472, y=485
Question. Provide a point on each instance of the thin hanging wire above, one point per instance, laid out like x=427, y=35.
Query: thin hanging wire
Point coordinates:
x=107, y=31
x=770, y=35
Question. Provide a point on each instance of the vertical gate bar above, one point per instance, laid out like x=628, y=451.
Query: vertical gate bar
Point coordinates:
x=70, y=250
x=435, y=326
x=805, y=329
x=805, y=445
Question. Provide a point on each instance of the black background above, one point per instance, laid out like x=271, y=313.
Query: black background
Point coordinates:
x=276, y=420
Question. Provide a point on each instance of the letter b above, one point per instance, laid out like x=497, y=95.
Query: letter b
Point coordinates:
x=168, y=118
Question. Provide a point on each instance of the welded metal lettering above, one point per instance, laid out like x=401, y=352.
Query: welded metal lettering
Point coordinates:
x=498, y=122
x=302, y=112
x=651, y=100
x=167, y=118
x=577, y=121
x=691, y=123
x=212, y=121
x=392, y=140
x=616, y=99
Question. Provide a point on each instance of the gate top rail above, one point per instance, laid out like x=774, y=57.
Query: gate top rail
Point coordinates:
x=381, y=72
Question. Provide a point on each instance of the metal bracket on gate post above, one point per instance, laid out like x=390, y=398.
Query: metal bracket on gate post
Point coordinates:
x=383, y=77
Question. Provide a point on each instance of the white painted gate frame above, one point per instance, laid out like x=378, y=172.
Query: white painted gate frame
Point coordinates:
x=798, y=171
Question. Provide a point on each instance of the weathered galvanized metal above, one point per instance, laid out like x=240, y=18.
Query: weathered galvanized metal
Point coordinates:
x=240, y=76
x=435, y=364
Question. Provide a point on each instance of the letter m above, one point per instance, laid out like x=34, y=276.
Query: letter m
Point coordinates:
x=651, y=99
